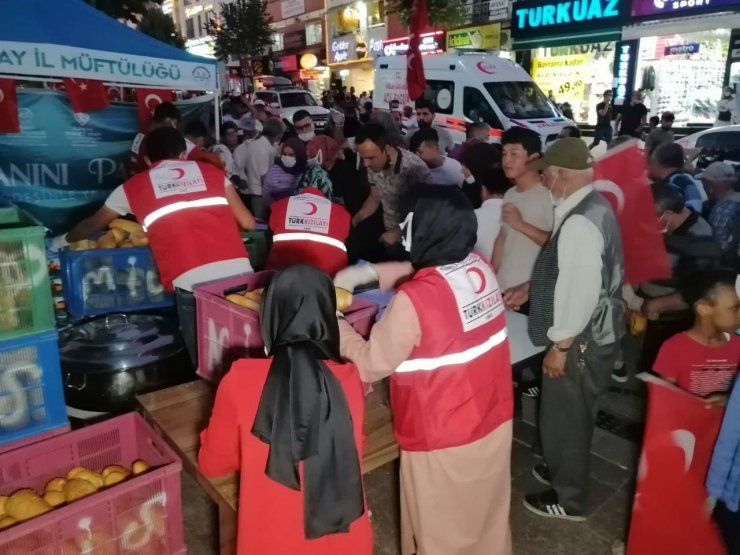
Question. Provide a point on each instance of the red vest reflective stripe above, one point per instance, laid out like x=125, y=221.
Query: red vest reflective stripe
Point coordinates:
x=456, y=386
x=188, y=219
x=308, y=229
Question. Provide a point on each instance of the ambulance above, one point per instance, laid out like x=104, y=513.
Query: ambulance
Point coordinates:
x=471, y=87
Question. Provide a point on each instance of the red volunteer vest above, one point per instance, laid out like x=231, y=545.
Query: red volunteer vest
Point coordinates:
x=308, y=229
x=183, y=207
x=456, y=386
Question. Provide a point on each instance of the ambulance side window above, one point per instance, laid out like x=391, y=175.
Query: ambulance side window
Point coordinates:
x=477, y=108
x=442, y=94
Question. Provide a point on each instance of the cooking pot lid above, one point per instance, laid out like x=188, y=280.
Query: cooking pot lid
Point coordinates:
x=118, y=342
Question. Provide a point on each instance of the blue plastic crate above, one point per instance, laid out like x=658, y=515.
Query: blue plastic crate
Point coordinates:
x=101, y=281
x=31, y=395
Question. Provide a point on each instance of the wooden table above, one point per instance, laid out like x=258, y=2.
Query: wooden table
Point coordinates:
x=179, y=414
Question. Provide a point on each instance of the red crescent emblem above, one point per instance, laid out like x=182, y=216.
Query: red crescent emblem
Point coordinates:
x=312, y=209
x=477, y=280
x=179, y=172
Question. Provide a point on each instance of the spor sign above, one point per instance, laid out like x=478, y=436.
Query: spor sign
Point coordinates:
x=547, y=17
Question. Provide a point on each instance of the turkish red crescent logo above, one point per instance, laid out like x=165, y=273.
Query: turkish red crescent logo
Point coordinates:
x=477, y=280
x=486, y=67
x=179, y=172
x=312, y=208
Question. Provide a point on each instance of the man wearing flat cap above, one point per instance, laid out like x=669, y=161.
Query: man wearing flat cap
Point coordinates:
x=576, y=311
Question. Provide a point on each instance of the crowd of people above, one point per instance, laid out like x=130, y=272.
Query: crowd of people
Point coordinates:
x=462, y=233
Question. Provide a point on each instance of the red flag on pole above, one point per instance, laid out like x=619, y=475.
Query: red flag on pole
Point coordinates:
x=415, y=79
x=147, y=100
x=8, y=107
x=620, y=175
x=86, y=95
x=670, y=513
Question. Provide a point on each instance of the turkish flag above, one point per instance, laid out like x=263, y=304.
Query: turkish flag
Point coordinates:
x=115, y=94
x=620, y=175
x=8, y=107
x=415, y=79
x=86, y=95
x=148, y=100
x=670, y=513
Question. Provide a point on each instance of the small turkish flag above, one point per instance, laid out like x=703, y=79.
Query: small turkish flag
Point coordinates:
x=620, y=176
x=8, y=107
x=415, y=78
x=86, y=95
x=670, y=513
x=148, y=100
x=115, y=94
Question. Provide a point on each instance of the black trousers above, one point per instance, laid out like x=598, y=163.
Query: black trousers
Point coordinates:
x=568, y=408
x=729, y=525
x=188, y=323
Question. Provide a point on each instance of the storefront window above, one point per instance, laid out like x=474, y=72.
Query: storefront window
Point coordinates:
x=578, y=75
x=314, y=34
x=520, y=100
x=277, y=42
x=344, y=21
x=189, y=29
x=476, y=108
x=683, y=74
x=375, y=14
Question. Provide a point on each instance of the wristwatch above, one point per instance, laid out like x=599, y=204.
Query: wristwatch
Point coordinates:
x=559, y=349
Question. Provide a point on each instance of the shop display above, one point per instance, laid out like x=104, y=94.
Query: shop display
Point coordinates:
x=684, y=74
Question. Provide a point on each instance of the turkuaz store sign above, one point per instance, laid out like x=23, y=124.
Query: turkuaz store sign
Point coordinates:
x=553, y=17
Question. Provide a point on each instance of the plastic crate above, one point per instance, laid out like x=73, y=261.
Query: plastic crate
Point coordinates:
x=25, y=293
x=227, y=332
x=142, y=515
x=31, y=395
x=100, y=281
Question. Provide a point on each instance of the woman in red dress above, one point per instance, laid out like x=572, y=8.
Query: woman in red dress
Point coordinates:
x=292, y=426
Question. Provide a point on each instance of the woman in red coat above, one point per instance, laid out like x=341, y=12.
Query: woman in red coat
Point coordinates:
x=292, y=426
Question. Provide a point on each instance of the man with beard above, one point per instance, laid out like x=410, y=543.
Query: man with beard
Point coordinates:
x=425, y=118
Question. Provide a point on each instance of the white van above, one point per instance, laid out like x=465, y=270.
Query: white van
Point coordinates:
x=469, y=87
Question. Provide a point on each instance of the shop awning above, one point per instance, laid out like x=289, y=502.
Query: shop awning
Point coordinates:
x=69, y=38
x=677, y=26
x=602, y=35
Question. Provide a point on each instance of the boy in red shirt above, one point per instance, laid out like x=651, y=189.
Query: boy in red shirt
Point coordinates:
x=704, y=359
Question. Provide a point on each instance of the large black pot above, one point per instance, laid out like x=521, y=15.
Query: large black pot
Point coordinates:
x=107, y=361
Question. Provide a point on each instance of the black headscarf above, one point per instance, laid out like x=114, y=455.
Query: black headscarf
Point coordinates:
x=303, y=413
x=443, y=226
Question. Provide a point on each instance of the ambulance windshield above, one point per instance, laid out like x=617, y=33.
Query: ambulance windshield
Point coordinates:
x=297, y=99
x=520, y=100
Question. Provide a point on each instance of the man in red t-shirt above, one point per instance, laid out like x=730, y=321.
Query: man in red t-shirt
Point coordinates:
x=704, y=359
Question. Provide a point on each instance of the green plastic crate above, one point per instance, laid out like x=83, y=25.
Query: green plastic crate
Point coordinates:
x=25, y=292
x=257, y=247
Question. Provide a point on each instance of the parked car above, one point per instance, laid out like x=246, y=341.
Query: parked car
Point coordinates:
x=718, y=144
x=287, y=100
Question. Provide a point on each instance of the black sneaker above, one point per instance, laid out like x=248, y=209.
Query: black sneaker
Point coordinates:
x=619, y=374
x=546, y=504
x=542, y=474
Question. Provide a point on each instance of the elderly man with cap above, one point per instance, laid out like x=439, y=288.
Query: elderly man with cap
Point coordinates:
x=576, y=312
x=720, y=181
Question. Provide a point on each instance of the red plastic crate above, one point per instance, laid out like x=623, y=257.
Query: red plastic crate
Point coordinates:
x=142, y=515
x=227, y=332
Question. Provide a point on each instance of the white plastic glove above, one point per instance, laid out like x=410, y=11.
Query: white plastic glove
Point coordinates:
x=58, y=243
x=354, y=276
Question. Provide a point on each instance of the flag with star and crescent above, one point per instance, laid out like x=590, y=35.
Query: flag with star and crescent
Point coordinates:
x=86, y=95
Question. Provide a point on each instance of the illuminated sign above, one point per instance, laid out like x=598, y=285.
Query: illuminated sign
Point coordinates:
x=624, y=70
x=548, y=17
x=431, y=43
x=682, y=49
x=341, y=49
x=481, y=36
x=678, y=7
